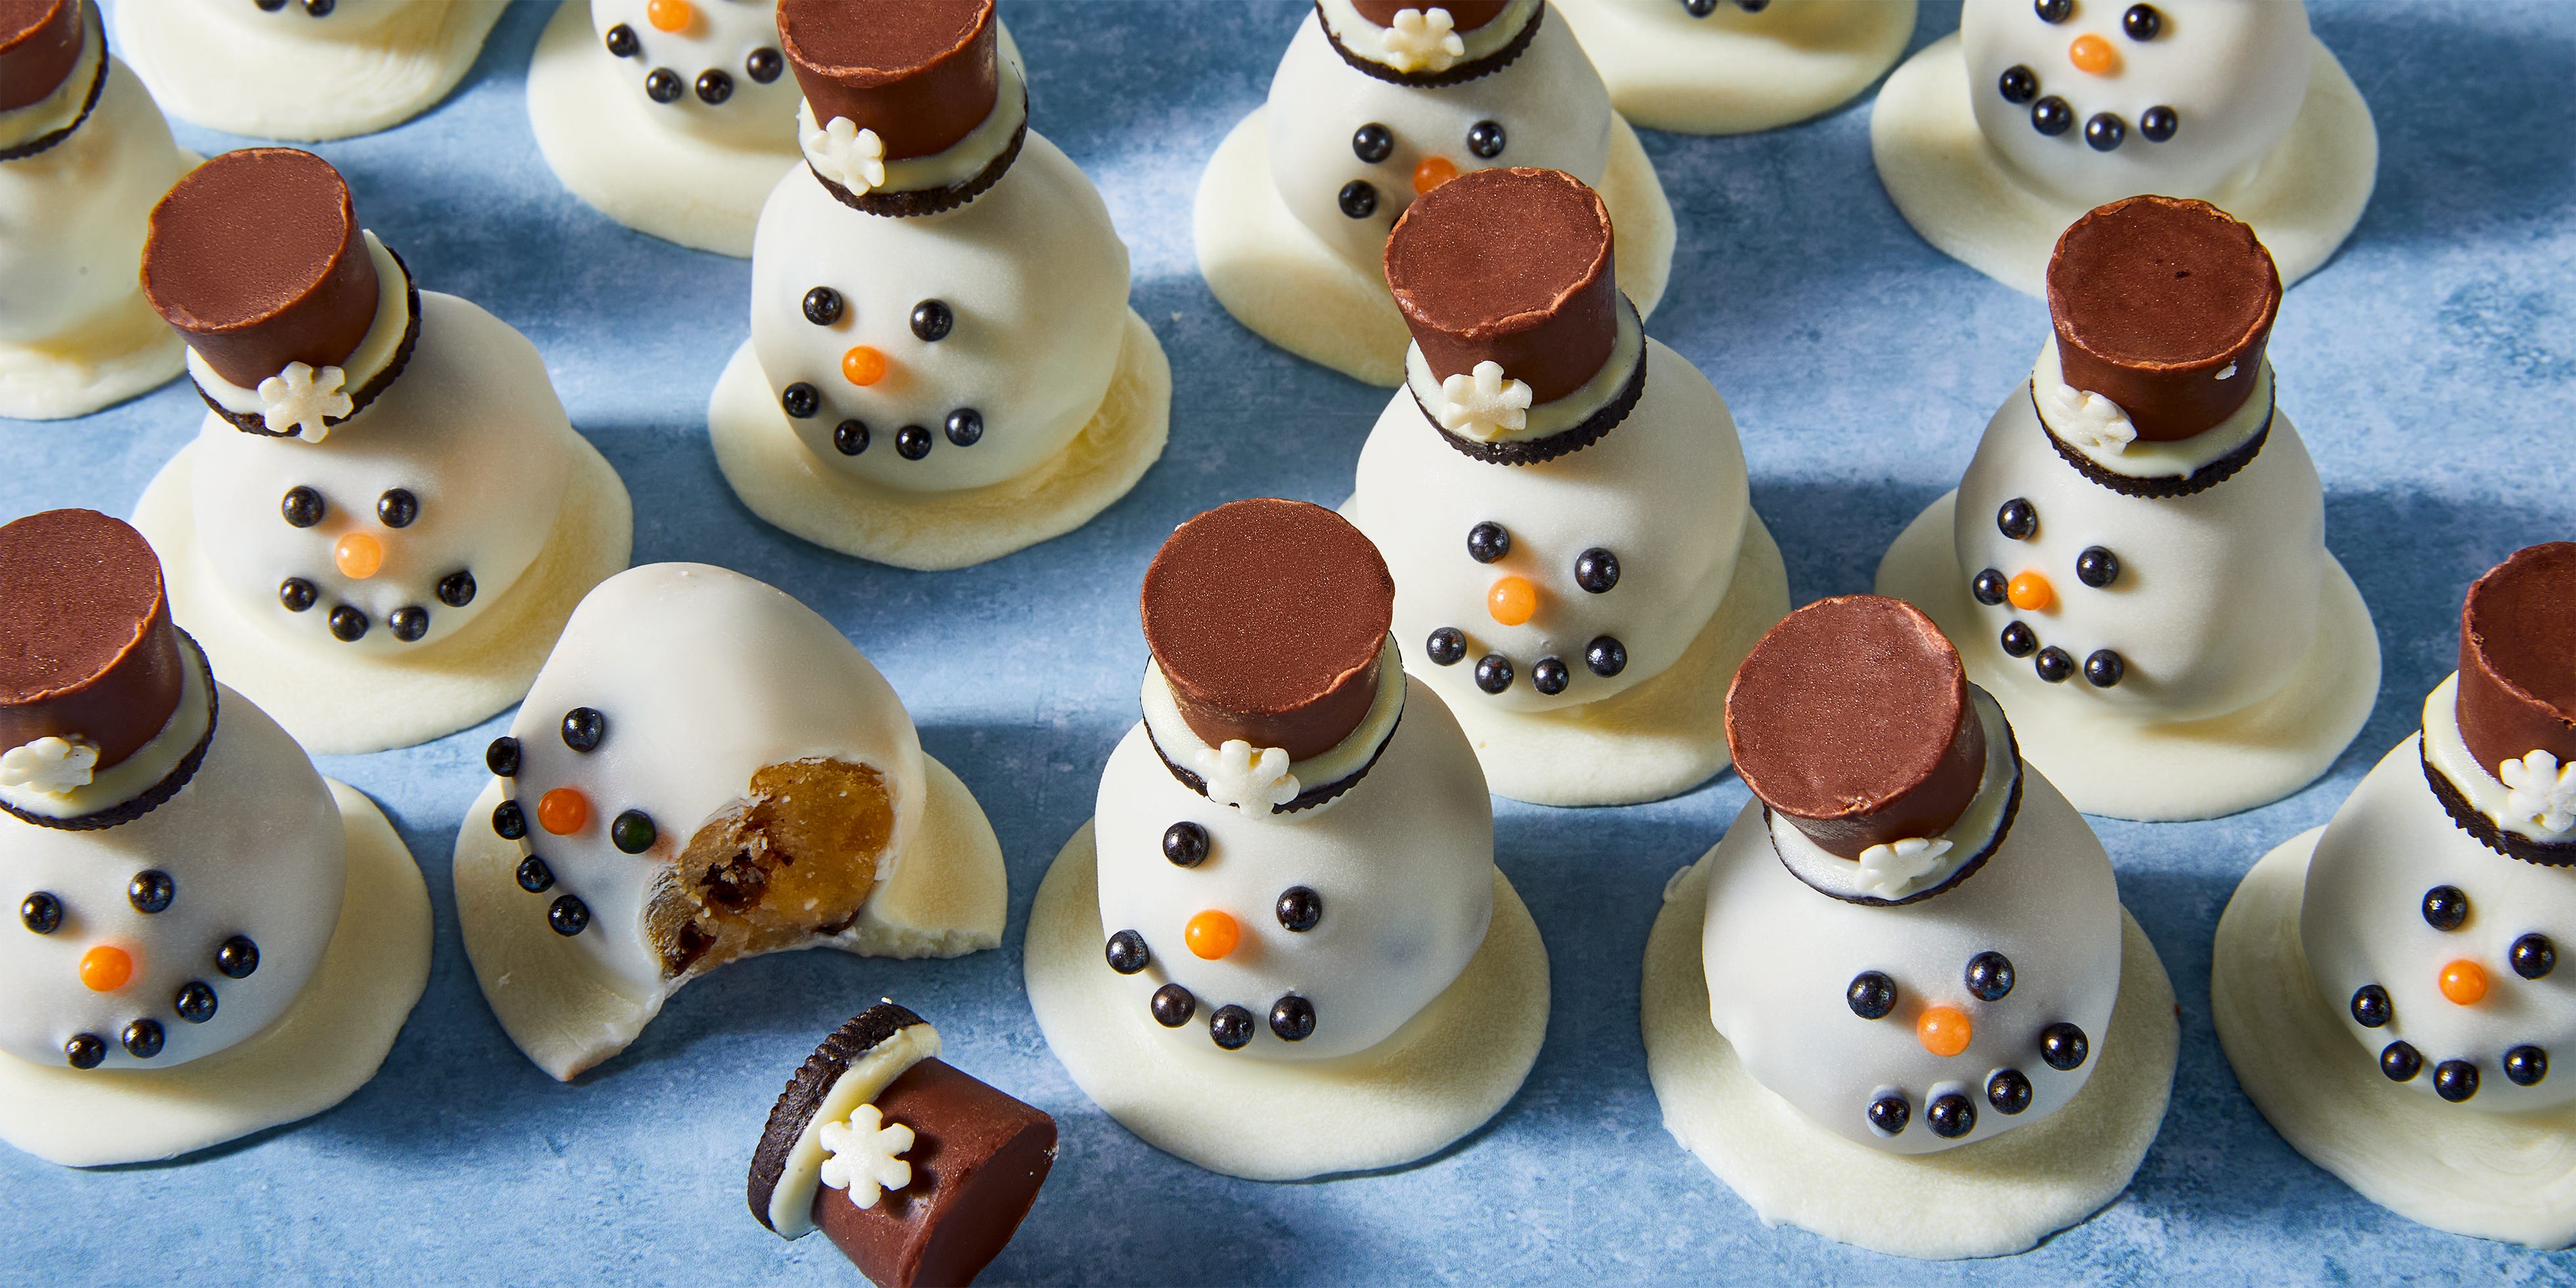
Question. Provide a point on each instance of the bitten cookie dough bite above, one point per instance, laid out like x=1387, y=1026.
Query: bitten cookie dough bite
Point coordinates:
x=211, y=937
x=2388, y=986
x=2135, y=560
x=1577, y=566
x=1899, y=1003
x=1736, y=66
x=917, y=1172
x=704, y=771
x=302, y=70
x=1375, y=103
x=942, y=366
x=385, y=516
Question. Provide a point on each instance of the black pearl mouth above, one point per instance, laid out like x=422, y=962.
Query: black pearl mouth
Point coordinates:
x=1605, y=657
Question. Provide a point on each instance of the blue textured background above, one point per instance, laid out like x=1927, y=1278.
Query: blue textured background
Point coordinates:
x=2429, y=367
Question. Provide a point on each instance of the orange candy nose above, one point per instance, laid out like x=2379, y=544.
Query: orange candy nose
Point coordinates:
x=2030, y=592
x=1512, y=601
x=563, y=811
x=1431, y=173
x=1213, y=934
x=2464, y=982
x=358, y=555
x=863, y=365
x=2091, y=53
x=105, y=970
x=1943, y=1030
x=669, y=15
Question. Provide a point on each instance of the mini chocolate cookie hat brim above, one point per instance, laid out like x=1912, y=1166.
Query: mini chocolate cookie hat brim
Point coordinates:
x=2163, y=306
x=922, y=74
x=1457, y=73
x=256, y=257
x=40, y=41
x=804, y=1094
x=2518, y=658
x=1513, y=267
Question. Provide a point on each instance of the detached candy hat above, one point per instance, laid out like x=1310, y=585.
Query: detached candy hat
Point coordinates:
x=2163, y=306
x=2516, y=710
x=909, y=108
x=1411, y=42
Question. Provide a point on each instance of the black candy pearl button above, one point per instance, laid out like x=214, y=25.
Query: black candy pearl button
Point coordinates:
x=663, y=85
x=850, y=437
x=1485, y=139
x=568, y=915
x=2534, y=956
x=2053, y=11
x=195, y=1003
x=1606, y=656
x=1871, y=995
x=509, y=822
x=1890, y=1113
x=912, y=442
x=2157, y=124
x=2018, y=641
x=1549, y=676
x=822, y=306
x=764, y=65
x=151, y=891
x=408, y=623
x=302, y=507
x=237, y=957
x=1446, y=646
x=2142, y=22
x=2008, y=1091
x=2097, y=567
x=348, y=625
x=1487, y=542
x=965, y=426
x=621, y=38
x=1596, y=570
x=456, y=589
x=320, y=8
x=1299, y=908
x=1127, y=953
x=534, y=876
x=1989, y=976
x=269, y=6
x=2063, y=1047
x=2445, y=907
x=2400, y=1062
x=2104, y=668
x=1230, y=1028
x=141, y=1039
x=633, y=831
x=41, y=913
x=1358, y=199
x=84, y=1051
x=2017, y=519
x=800, y=400
x=714, y=86
x=2018, y=85
x=397, y=508
x=1186, y=844
x=2371, y=1008
x=1173, y=1006
x=2455, y=1080
x=1699, y=8
x=502, y=757
x=2105, y=132
x=1950, y=1115
x=1372, y=143
x=2051, y=116
x=1494, y=673
x=1990, y=587
x=1292, y=1018
x=2525, y=1066
x=2054, y=664
x=931, y=320
x=296, y=594
x=583, y=727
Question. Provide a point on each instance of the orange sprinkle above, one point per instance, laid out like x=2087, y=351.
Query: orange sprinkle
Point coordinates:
x=2091, y=53
x=1512, y=601
x=358, y=555
x=2030, y=592
x=1213, y=934
x=105, y=969
x=1943, y=1030
x=563, y=811
x=1431, y=173
x=669, y=15
x=863, y=365
x=2464, y=982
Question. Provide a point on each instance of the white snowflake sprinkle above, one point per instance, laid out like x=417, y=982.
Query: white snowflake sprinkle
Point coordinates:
x=863, y=1155
x=1888, y=871
x=1482, y=404
x=296, y=401
x=1423, y=40
x=2543, y=792
x=847, y=155
x=2086, y=420
x=50, y=765
x=1243, y=776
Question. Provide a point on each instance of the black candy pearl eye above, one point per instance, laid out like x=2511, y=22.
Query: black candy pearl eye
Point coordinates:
x=633, y=831
x=1550, y=676
x=296, y=595
x=2534, y=956
x=151, y=891
x=1446, y=646
x=2157, y=124
x=850, y=437
x=1606, y=656
x=1990, y=587
x=1950, y=1115
x=142, y=1039
x=822, y=306
x=1173, y=1006
x=2063, y=1047
x=2445, y=907
x=1989, y=976
x=2525, y=1066
x=1487, y=542
x=397, y=508
x=2105, y=132
x=408, y=623
x=1699, y=8
x=195, y=1003
x=1485, y=139
x=1871, y=995
x=2142, y=22
x=568, y=916
x=456, y=589
x=1293, y=1018
x=621, y=40
x=320, y=8
x=2053, y=11
x=663, y=85
x=2054, y=664
x=1127, y=953
x=41, y=913
x=800, y=400
x=2018, y=85
x=1596, y=570
x=965, y=426
x=2104, y=668
x=583, y=727
x=714, y=86
x=1890, y=1113
x=269, y=6
x=1372, y=143
x=912, y=442
x=2017, y=519
x=2051, y=116
x=1186, y=844
x=534, y=876
x=2400, y=1062
x=1358, y=199
x=509, y=821
x=2371, y=1008
x=348, y=625
x=1299, y=909
x=302, y=507
x=2008, y=1091
x=764, y=65
x=2455, y=1080
x=237, y=957
x=2097, y=567
x=84, y=1051
x=1230, y=1028
x=1494, y=673
x=2018, y=640
x=931, y=320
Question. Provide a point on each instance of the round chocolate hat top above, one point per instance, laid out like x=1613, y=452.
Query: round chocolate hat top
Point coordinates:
x=257, y=258
x=86, y=644
x=39, y=42
x=2154, y=298
x=1852, y=719
x=1465, y=15
x=1509, y=266
x=2518, y=658
x=921, y=73
x=1266, y=618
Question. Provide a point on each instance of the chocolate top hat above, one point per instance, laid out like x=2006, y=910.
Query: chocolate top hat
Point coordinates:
x=1851, y=719
x=39, y=42
x=1464, y=15
x=2163, y=305
x=87, y=651
x=1511, y=267
x=921, y=73
x=2518, y=658
x=1266, y=618
x=257, y=258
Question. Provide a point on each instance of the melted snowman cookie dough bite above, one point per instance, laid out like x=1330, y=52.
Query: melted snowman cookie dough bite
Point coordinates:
x=1993, y=140
x=917, y=1172
x=211, y=937
x=1281, y=948
x=1737, y=66
x=1375, y=103
x=672, y=117
x=2135, y=561
x=1563, y=502
x=2388, y=986
x=83, y=155
x=705, y=771
x=386, y=517
x=942, y=366
x=302, y=70
x=1899, y=1004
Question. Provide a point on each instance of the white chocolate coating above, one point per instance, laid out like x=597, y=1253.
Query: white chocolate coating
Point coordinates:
x=1733, y=71
x=719, y=40
x=364, y=66
x=1402, y=861
x=1034, y=276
